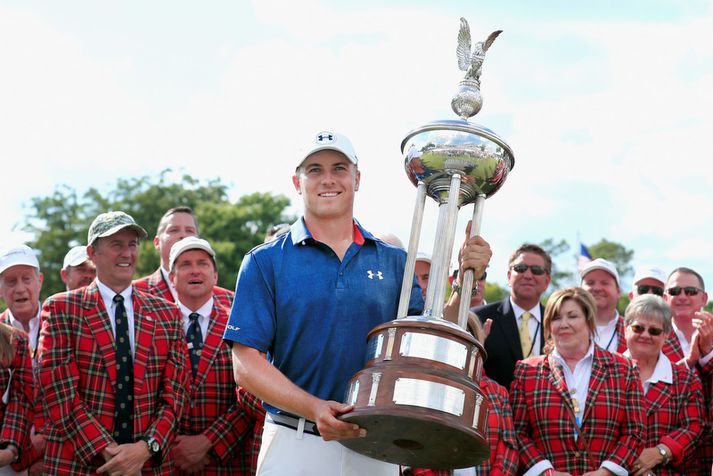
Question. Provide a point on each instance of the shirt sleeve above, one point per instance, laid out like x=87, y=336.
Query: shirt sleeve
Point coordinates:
x=252, y=317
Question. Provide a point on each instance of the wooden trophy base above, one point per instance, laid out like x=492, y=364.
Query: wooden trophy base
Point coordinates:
x=418, y=397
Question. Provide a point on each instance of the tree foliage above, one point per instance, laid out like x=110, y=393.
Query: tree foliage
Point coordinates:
x=614, y=252
x=494, y=292
x=555, y=249
x=61, y=220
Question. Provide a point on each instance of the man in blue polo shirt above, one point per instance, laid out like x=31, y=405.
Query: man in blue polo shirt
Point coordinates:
x=307, y=301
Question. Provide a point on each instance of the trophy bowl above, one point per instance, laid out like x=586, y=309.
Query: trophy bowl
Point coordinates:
x=437, y=150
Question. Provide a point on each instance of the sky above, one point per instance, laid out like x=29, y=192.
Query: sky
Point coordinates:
x=606, y=106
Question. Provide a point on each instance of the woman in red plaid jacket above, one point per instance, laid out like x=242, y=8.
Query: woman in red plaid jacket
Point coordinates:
x=578, y=409
x=673, y=395
x=15, y=397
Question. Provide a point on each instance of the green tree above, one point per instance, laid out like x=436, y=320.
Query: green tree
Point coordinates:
x=494, y=292
x=62, y=219
x=555, y=249
x=614, y=252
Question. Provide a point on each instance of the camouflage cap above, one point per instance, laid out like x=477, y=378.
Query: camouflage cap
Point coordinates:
x=109, y=223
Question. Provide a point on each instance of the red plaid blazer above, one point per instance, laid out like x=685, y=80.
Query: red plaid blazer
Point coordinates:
x=251, y=443
x=613, y=421
x=156, y=285
x=16, y=413
x=704, y=453
x=214, y=410
x=30, y=456
x=78, y=375
x=674, y=417
x=501, y=436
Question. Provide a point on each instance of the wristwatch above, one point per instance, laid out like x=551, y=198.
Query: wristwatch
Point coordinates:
x=154, y=446
x=663, y=453
x=457, y=289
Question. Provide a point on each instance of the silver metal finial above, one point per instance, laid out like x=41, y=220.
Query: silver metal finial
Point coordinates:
x=468, y=101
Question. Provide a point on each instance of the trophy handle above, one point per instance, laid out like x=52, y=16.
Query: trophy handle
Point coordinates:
x=468, y=277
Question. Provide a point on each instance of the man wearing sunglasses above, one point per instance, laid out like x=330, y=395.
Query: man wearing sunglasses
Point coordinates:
x=601, y=279
x=516, y=332
x=647, y=280
x=692, y=342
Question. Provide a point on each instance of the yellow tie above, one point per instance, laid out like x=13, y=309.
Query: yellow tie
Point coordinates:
x=525, y=340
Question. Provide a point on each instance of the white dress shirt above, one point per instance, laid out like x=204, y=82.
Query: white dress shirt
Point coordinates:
x=107, y=296
x=606, y=337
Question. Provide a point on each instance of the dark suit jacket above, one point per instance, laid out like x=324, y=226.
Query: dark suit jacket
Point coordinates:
x=78, y=378
x=503, y=343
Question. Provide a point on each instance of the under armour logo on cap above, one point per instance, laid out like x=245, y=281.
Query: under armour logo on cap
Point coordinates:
x=325, y=137
x=328, y=140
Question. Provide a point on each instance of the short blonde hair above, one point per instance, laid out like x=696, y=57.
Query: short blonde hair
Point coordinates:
x=578, y=295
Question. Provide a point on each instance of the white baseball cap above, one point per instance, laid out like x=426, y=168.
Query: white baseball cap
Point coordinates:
x=601, y=263
x=649, y=272
x=75, y=256
x=19, y=255
x=188, y=243
x=423, y=256
x=327, y=140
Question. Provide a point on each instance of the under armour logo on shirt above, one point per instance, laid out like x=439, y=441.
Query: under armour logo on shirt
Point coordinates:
x=372, y=274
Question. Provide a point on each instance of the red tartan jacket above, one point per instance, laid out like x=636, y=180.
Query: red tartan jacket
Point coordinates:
x=251, y=443
x=78, y=376
x=613, y=421
x=156, y=285
x=674, y=417
x=16, y=397
x=703, y=455
x=214, y=409
x=503, y=459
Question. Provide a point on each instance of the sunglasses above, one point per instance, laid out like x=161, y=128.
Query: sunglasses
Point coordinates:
x=536, y=269
x=645, y=288
x=484, y=276
x=689, y=290
x=653, y=331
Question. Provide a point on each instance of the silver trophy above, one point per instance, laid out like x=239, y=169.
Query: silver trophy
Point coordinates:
x=418, y=395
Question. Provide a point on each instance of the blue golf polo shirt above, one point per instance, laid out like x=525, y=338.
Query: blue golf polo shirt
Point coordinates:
x=310, y=312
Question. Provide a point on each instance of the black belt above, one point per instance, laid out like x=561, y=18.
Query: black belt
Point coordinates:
x=292, y=422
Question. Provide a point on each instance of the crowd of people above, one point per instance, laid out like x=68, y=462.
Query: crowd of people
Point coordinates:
x=171, y=374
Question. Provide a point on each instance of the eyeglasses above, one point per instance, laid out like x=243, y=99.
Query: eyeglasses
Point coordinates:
x=645, y=288
x=653, y=331
x=536, y=269
x=689, y=290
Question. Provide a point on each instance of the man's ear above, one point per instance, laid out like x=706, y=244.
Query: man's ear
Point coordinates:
x=296, y=183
